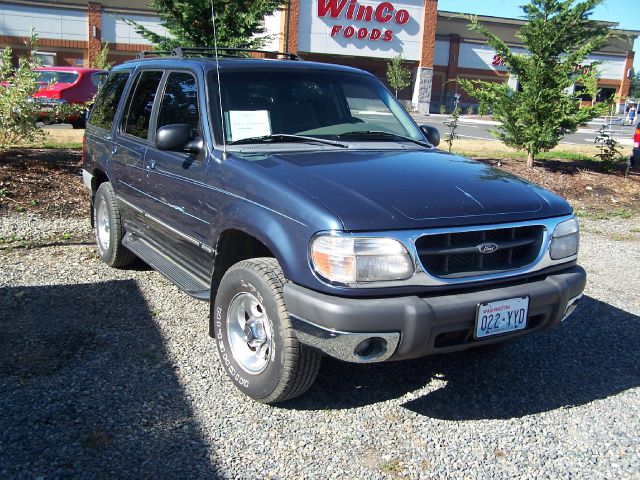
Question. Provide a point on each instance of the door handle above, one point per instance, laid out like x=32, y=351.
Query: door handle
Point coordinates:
x=114, y=151
x=151, y=165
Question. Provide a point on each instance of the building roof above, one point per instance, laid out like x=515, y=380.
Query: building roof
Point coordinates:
x=132, y=6
x=455, y=23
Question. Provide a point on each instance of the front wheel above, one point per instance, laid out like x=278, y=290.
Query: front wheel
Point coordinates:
x=258, y=348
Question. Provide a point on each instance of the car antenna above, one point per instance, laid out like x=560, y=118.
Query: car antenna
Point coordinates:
x=215, y=48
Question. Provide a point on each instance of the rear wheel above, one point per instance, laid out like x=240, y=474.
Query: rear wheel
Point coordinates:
x=258, y=348
x=108, y=229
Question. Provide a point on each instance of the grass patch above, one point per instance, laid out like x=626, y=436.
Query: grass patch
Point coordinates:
x=57, y=138
x=494, y=149
x=605, y=214
x=48, y=145
x=391, y=466
x=622, y=237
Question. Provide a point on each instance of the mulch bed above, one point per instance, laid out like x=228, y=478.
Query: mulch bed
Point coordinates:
x=588, y=185
x=50, y=182
x=45, y=182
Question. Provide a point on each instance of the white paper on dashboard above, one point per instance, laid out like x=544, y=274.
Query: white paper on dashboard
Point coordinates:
x=249, y=123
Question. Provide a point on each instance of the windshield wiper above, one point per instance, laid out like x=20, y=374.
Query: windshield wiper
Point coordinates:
x=380, y=133
x=283, y=138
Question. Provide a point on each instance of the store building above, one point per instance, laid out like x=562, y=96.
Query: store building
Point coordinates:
x=70, y=32
x=437, y=46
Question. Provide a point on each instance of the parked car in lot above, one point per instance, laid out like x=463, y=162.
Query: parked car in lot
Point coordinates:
x=73, y=85
x=304, y=203
x=635, y=158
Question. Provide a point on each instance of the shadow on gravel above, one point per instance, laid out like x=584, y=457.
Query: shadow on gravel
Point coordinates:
x=87, y=389
x=593, y=355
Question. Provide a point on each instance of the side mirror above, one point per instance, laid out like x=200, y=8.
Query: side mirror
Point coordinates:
x=174, y=137
x=195, y=146
x=432, y=133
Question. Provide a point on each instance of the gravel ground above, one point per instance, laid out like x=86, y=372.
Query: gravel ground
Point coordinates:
x=110, y=373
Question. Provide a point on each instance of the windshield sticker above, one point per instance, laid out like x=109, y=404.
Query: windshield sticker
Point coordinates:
x=249, y=123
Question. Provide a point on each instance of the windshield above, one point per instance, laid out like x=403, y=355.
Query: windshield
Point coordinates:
x=50, y=76
x=329, y=105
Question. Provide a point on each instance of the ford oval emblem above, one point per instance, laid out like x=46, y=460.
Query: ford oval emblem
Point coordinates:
x=487, y=248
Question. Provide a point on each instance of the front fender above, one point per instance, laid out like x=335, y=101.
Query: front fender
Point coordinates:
x=287, y=238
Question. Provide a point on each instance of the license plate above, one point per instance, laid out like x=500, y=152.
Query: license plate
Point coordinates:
x=504, y=316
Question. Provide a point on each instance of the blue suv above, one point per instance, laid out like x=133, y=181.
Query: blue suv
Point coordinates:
x=304, y=203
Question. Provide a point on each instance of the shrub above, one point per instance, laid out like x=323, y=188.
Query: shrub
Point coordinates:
x=18, y=112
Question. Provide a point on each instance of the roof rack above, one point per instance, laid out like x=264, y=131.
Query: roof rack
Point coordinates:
x=152, y=53
x=229, y=52
x=211, y=51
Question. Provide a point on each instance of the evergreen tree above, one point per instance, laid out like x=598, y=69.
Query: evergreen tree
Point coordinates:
x=558, y=36
x=101, y=60
x=634, y=91
x=238, y=23
x=398, y=75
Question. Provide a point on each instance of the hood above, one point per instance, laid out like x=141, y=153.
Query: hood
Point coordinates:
x=381, y=190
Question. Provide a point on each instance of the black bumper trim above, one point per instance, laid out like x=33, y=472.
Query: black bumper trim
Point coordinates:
x=421, y=320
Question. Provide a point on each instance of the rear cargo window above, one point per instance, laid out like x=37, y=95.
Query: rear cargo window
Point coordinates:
x=107, y=101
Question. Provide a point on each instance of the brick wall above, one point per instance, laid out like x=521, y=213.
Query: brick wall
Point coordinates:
x=429, y=24
x=95, y=30
x=623, y=93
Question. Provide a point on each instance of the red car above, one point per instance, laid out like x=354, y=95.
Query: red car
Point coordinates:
x=67, y=85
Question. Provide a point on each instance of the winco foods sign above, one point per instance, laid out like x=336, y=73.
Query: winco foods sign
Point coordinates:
x=381, y=19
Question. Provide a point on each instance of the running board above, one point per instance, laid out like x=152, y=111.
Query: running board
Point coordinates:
x=159, y=261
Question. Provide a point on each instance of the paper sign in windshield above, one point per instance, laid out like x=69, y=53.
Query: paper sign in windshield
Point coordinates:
x=249, y=123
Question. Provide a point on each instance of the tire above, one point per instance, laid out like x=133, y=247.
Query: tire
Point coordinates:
x=79, y=123
x=108, y=229
x=266, y=363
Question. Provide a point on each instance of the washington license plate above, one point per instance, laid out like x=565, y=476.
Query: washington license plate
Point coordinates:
x=504, y=316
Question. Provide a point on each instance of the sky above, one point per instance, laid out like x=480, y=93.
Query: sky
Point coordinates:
x=624, y=12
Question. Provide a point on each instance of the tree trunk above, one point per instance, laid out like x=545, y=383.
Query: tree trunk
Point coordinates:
x=530, y=159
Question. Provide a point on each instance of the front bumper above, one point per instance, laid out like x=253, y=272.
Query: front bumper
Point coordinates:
x=400, y=328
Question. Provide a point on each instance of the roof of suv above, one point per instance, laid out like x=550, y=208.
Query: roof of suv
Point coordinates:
x=228, y=63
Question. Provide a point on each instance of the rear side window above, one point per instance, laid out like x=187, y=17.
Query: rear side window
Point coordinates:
x=107, y=101
x=180, y=101
x=140, y=103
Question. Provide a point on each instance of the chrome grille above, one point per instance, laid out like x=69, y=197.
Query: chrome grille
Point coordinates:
x=456, y=255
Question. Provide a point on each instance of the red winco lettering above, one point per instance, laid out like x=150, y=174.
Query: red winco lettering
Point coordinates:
x=385, y=12
x=498, y=61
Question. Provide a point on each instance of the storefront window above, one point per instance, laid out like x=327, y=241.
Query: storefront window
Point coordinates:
x=46, y=59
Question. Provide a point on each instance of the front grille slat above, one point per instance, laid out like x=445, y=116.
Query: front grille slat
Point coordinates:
x=509, y=244
x=456, y=254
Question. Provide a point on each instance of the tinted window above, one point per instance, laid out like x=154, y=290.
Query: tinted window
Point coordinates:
x=52, y=76
x=180, y=101
x=322, y=104
x=140, y=103
x=106, y=104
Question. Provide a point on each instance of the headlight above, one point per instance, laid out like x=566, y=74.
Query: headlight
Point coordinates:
x=565, y=240
x=352, y=260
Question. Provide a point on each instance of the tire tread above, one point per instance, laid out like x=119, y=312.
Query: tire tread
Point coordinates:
x=302, y=363
x=120, y=255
